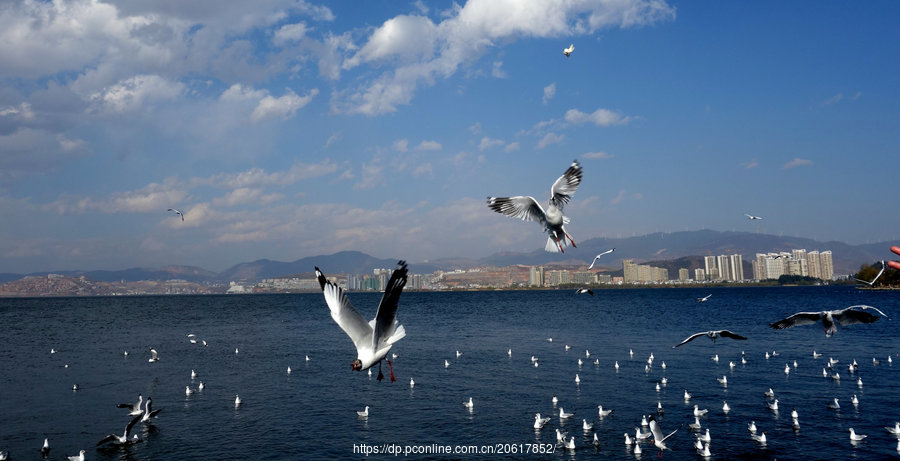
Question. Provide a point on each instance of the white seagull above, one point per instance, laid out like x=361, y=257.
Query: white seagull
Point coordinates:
x=133, y=408
x=564, y=415
x=725, y=407
x=154, y=357
x=177, y=212
x=237, y=400
x=582, y=291
x=372, y=339
x=149, y=412
x=586, y=425
x=80, y=456
x=123, y=439
x=568, y=51
x=469, y=404
x=601, y=412
x=45, y=449
x=597, y=258
x=846, y=316
x=704, y=299
x=894, y=430
x=658, y=440
x=552, y=220
x=856, y=437
x=876, y=276
x=751, y=217
x=540, y=422
x=364, y=413
x=699, y=412
x=712, y=334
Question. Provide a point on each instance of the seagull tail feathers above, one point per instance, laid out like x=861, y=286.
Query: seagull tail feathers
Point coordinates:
x=551, y=245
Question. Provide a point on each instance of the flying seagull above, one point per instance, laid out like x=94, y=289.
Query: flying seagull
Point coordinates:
x=582, y=291
x=154, y=357
x=712, y=334
x=133, y=408
x=372, y=339
x=568, y=51
x=876, y=276
x=177, y=212
x=844, y=317
x=123, y=439
x=149, y=412
x=598, y=257
x=751, y=217
x=552, y=220
x=704, y=299
x=658, y=440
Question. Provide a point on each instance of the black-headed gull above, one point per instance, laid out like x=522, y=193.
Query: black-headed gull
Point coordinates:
x=45, y=449
x=712, y=334
x=582, y=291
x=876, y=276
x=568, y=51
x=364, y=413
x=469, y=403
x=658, y=440
x=564, y=415
x=844, y=317
x=149, y=412
x=552, y=220
x=123, y=439
x=704, y=299
x=133, y=408
x=154, y=357
x=373, y=340
x=80, y=456
x=894, y=430
x=597, y=258
x=177, y=212
x=856, y=437
x=751, y=217
x=539, y=421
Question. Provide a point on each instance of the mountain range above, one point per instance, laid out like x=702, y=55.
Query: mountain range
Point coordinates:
x=645, y=249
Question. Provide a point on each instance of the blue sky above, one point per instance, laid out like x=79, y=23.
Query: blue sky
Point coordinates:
x=287, y=129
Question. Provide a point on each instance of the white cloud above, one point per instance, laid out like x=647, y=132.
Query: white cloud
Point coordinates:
x=401, y=145
x=22, y=112
x=257, y=177
x=597, y=155
x=832, y=100
x=751, y=164
x=549, y=92
x=152, y=198
x=511, y=147
x=487, y=143
x=290, y=33
x=132, y=93
x=429, y=146
x=550, y=138
x=600, y=117
x=796, y=162
x=618, y=198
x=497, y=71
x=283, y=107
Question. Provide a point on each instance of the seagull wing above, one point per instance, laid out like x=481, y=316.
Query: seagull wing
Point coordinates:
x=689, y=339
x=343, y=313
x=657, y=431
x=728, y=334
x=131, y=424
x=800, y=318
x=387, y=309
x=524, y=207
x=108, y=438
x=849, y=316
x=596, y=258
x=564, y=187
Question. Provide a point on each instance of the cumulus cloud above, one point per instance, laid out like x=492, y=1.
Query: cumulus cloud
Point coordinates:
x=511, y=147
x=751, y=164
x=797, y=161
x=550, y=138
x=289, y=33
x=600, y=117
x=487, y=143
x=401, y=145
x=257, y=177
x=429, y=145
x=132, y=93
x=284, y=107
x=154, y=197
x=597, y=155
x=549, y=92
x=618, y=198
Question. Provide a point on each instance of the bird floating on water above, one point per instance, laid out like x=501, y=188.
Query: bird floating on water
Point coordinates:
x=552, y=219
x=364, y=413
x=373, y=340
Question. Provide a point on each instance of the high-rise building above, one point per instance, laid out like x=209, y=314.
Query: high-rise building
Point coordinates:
x=736, y=264
x=684, y=274
x=709, y=265
x=827, y=265
x=699, y=274
x=629, y=271
x=536, y=276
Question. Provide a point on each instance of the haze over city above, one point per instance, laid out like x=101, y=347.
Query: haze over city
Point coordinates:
x=286, y=129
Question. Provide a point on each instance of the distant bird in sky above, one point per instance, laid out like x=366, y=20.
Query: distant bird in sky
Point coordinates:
x=704, y=299
x=876, y=276
x=552, y=220
x=568, y=51
x=598, y=257
x=846, y=316
x=582, y=291
x=751, y=217
x=123, y=439
x=373, y=340
x=177, y=212
x=712, y=334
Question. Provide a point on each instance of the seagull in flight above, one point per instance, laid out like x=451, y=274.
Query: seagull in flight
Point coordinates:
x=154, y=357
x=712, y=334
x=751, y=217
x=372, y=339
x=123, y=439
x=149, y=412
x=568, y=51
x=552, y=220
x=582, y=291
x=177, y=212
x=704, y=299
x=846, y=316
x=658, y=440
x=876, y=276
x=133, y=408
x=598, y=257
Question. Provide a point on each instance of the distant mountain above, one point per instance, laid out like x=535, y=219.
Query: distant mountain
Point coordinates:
x=189, y=273
x=342, y=262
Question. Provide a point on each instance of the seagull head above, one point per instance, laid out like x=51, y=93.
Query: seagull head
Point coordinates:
x=356, y=365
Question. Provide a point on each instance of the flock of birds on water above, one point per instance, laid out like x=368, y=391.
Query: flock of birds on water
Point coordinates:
x=374, y=339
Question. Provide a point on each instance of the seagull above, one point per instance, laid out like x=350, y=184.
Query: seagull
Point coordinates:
x=794, y=414
x=658, y=440
x=628, y=440
x=372, y=339
x=577, y=379
x=596, y=258
x=123, y=439
x=187, y=390
x=705, y=451
x=552, y=220
x=773, y=405
x=134, y=408
x=582, y=291
x=364, y=413
x=687, y=396
x=568, y=51
x=412, y=383
x=752, y=427
x=469, y=404
x=854, y=437
x=834, y=405
x=237, y=400
x=45, y=449
x=458, y=353
x=846, y=316
x=640, y=436
x=699, y=412
x=192, y=338
x=564, y=415
x=759, y=438
x=893, y=430
x=854, y=400
x=149, y=412
x=586, y=425
x=769, y=393
x=153, y=356
x=751, y=217
x=876, y=276
x=447, y=363
x=712, y=334
x=177, y=212
x=816, y=355
x=637, y=450
x=193, y=374
x=601, y=412
x=540, y=422
x=596, y=441
x=725, y=407
x=696, y=424
x=570, y=445
x=200, y=386
x=80, y=456
x=704, y=299
x=561, y=436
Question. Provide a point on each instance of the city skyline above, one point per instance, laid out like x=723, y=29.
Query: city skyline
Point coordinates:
x=288, y=129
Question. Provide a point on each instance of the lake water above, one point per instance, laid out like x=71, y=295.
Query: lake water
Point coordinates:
x=311, y=412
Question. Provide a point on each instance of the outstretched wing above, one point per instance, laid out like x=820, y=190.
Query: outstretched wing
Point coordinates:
x=524, y=207
x=849, y=316
x=108, y=438
x=689, y=339
x=131, y=424
x=387, y=309
x=564, y=187
x=800, y=318
x=728, y=334
x=343, y=313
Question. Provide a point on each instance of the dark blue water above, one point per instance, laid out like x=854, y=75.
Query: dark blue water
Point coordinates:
x=311, y=413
